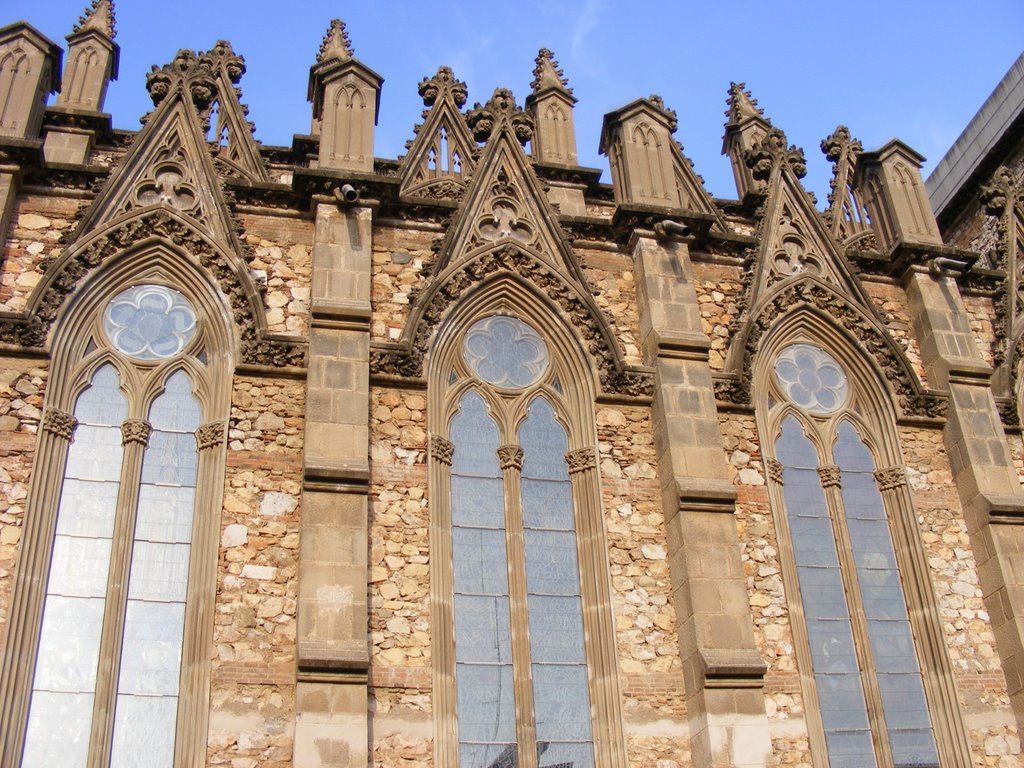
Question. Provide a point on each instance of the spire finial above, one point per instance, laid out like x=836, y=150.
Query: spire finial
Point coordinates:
x=547, y=73
x=741, y=104
x=336, y=44
x=98, y=16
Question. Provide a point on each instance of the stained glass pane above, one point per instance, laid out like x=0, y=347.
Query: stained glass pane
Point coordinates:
x=149, y=322
x=836, y=669
x=60, y=711
x=505, y=351
x=811, y=378
x=485, y=703
x=885, y=607
x=560, y=689
x=147, y=690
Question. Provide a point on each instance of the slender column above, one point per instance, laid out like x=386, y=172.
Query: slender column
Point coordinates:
x=24, y=621
x=442, y=638
x=609, y=742
x=723, y=670
x=194, y=691
x=135, y=438
x=510, y=459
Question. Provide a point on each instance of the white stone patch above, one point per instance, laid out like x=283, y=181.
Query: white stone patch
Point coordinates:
x=234, y=536
x=259, y=572
x=275, y=504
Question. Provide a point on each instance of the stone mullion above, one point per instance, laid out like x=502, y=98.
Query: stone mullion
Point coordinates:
x=135, y=438
x=605, y=701
x=831, y=483
x=28, y=594
x=510, y=458
x=194, y=689
x=946, y=715
x=442, y=585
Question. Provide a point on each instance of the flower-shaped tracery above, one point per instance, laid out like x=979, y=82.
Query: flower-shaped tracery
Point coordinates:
x=149, y=322
x=811, y=378
x=505, y=352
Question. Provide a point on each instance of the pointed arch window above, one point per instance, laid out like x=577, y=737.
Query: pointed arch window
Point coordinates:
x=848, y=543
x=519, y=669
x=105, y=661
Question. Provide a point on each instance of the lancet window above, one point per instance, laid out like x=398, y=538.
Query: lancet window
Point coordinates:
x=848, y=545
x=514, y=510
x=111, y=627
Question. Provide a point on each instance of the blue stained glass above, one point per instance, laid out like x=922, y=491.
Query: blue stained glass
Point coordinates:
x=150, y=322
x=836, y=670
x=66, y=667
x=885, y=606
x=505, y=351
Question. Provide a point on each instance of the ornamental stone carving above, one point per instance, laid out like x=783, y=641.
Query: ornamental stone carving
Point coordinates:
x=510, y=457
x=831, y=476
x=136, y=431
x=872, y=340
x=773, y=149
x=441, y=449
x=581, y=460
x=59, y=423
x=776, y=470
x=210, y=435
x=586, y=318
x=482, y=120
x=890, y=478
x=257, y=348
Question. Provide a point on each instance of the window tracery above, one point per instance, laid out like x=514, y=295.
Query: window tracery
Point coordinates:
x=866, y=633
x=514, y=501
x=103, y=663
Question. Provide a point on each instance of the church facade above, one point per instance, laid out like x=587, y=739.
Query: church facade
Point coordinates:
x=312, y=458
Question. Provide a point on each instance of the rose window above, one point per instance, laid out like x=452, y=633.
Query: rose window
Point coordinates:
x=505, y=352
x=150, y=322
x=811, y=378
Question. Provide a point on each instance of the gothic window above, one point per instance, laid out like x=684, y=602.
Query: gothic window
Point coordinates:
x=108, y=655
x=847, y=544
x=520, y=657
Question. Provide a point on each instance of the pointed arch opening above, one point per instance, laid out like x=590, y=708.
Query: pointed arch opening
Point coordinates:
x=525, y=664
x=875, y=675
x=106, y=655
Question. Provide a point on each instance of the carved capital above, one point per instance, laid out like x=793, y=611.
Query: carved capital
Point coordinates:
x=210, y=435
x=831, y=476
x=59, y=423
x=442, y=449
x=775, y=470
x=581, y=460
x=890, y=478
x=510, y=457
x=136, y=431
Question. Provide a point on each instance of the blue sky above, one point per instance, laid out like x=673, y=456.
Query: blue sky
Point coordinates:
x=916, y=70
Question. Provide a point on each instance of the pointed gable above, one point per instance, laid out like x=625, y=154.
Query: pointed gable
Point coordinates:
x=795, y=242
x=238, y=153
x=505, y=201
x=168, y=163
x=440, y=157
